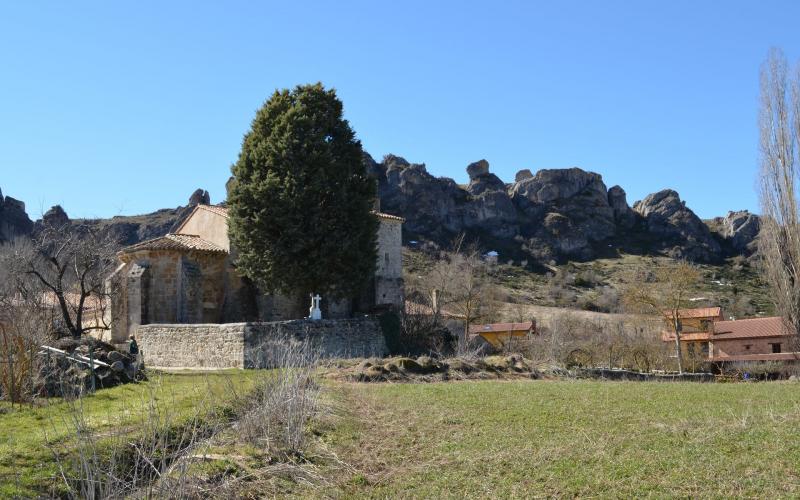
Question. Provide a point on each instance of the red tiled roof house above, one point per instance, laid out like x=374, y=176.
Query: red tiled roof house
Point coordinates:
x=705, y=331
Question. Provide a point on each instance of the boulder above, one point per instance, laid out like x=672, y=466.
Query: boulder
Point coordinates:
x=523, y=175
x=667, y=217
x=55, y=218
x=199, y=197
x=477, y=169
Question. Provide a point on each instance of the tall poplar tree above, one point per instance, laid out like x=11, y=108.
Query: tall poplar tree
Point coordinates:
x=300, y=200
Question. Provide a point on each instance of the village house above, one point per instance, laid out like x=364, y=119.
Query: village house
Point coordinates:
x=705, y=332
x=190, y=277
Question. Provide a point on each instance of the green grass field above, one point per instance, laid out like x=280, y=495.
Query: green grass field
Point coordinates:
x=568, y=438
x=27, y=435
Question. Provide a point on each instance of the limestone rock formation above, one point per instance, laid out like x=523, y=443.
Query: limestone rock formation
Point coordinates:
x=14, y=221
x=522, y=175
x=740, y=229
x=489, y=208
x=429, y=204
x=665, y=215
x=623, y=215
x=199, y=197
x=567, y=209
x=477, y=169
x=55, y=218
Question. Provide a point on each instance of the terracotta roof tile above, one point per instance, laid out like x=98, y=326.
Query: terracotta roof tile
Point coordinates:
x=751, y=328
x=700, y=312
x=176, y=242
x=217, y=209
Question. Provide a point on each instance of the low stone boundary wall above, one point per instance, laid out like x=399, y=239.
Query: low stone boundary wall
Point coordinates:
x=254, y=345
x=208, y=346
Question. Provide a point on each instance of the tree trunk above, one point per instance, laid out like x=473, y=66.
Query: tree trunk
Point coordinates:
x=678, y=351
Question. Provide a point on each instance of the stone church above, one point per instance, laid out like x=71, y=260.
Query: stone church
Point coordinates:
x=189, y=277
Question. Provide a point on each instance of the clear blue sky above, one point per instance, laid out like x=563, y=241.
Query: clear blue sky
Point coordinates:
x=125, y=107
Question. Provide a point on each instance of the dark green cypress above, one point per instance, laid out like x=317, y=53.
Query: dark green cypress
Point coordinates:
x=300, y=201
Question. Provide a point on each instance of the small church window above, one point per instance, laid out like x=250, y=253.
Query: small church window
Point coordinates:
x=386, y=259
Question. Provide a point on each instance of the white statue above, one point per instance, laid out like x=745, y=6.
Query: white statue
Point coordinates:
x=314, y=312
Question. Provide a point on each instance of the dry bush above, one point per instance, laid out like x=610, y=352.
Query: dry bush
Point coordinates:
x=148, y=462
x=285, y=399
x=570, y=340
x=26, y=322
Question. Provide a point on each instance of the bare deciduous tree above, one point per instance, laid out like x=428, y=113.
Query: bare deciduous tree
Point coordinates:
x=779, y=239
x=69, y=267
x=664, y=291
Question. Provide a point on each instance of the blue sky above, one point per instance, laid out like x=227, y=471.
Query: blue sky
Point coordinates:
x=125, y=107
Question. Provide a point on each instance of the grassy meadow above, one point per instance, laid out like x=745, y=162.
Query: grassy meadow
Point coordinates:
x=465, y=439
x=528, y=439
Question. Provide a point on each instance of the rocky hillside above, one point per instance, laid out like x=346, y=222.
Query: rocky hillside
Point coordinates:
x=554, y=215
x=126, y=230
x=548, y=217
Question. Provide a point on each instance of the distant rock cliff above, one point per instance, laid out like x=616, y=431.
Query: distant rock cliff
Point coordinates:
x=550, y=215
x=554, y=214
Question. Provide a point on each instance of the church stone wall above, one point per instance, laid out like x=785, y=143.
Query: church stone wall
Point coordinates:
x=255, y=345
x=389, y=269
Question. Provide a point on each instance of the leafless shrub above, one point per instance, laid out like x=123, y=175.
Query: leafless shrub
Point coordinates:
x=285, y=399
x=26, y=321
x=141, y=460
x=570, y=340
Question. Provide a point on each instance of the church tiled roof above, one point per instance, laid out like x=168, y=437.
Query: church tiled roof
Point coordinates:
x=217, y=209
x=176, y=242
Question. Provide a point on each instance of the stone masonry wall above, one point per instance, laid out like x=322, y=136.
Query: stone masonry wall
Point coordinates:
x=192, y=346
x=331, y=338
x=255, y=345
x=389, y=268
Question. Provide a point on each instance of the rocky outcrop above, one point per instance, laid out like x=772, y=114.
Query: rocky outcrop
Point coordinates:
x=739, y=230
x=522, y=175
x=55, y=218
x=14, y=221
x=623, y=215
x=554, y=214
x=128, y=230
x=684, y=234
x=200, y=197
x=567, y=210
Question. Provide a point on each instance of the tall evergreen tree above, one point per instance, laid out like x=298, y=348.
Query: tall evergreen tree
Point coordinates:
x=300, y=200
